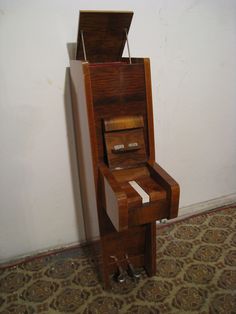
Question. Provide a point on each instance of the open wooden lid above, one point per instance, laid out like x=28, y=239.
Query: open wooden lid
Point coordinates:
x=104, y=35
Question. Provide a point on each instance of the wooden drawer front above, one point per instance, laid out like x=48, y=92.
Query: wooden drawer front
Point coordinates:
x=148, y=213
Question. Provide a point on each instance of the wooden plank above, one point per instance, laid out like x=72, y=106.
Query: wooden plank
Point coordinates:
x=123, y=123
x=104, y=35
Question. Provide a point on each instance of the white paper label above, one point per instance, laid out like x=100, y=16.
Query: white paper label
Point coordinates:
x=133, y=144
x=145, y=197
x=120, y=146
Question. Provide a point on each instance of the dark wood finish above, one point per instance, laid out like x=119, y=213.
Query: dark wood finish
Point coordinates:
x=134, y=200
x=152, y=188
x=104, y=35
x=127, y=156
x=150, y=249
x=130, y=174
x=117, y=90
x=112, y=105
x=168, y=183
x=148, y=213
x=124, y=141
x=150, y=126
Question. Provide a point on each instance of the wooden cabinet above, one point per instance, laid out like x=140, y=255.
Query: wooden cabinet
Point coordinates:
x=113, y=120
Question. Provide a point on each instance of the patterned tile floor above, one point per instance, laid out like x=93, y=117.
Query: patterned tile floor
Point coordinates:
x=196, y=273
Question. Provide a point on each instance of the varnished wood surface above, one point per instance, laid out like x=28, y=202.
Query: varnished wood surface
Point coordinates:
x=171, y=186
x=117, y=91
x=104, y=35
x=152, y=188
x=162, y=189
x=110, y=90
x=125, y=157
x=150, y=249
x=134, y=200
x=150, y=125
x=123, y=123
x=148, y=213
x=130, y=174
x=131, y=241
x=137, y=215
x=121, y=84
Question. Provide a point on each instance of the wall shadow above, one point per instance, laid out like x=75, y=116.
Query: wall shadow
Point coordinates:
x=72, y=151
x=71, y=49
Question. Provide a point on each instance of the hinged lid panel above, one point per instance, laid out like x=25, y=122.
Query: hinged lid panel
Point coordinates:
x=104, y=35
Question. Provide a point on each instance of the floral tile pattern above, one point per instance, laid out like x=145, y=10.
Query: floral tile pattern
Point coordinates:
x=196, y=273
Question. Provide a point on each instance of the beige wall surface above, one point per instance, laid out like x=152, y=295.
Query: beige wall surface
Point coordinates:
x=192, y=47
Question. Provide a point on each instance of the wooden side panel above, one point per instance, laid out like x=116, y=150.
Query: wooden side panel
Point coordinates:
x=84, y=148
x=149, y=109
x=171, y=186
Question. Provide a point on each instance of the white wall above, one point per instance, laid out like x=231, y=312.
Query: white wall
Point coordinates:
x=192, y=46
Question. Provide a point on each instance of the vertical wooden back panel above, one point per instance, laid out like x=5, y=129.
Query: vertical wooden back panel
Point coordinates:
x=118, y=89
